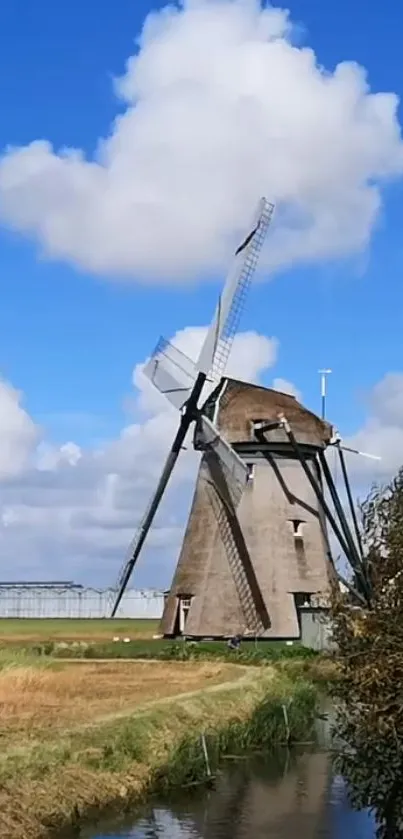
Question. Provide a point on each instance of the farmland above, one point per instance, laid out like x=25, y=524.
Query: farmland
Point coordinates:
x=72, y=629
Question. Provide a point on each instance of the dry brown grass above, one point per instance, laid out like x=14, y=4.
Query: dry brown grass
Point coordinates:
x=34, y=700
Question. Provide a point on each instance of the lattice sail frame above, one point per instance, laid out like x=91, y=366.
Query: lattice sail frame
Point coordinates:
x=234, y=472
x=217, y=347
x=234, y=469
x=252, y=620
x=169, y=369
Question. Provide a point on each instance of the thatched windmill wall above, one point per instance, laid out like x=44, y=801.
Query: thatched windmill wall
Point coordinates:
x=281, y=519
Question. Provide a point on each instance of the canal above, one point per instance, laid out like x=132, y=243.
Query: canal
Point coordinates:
x=284, y=796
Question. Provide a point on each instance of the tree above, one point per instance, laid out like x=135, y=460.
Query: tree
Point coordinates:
x=369, y=722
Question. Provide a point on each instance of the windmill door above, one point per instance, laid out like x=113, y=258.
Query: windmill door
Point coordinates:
x=184, y=606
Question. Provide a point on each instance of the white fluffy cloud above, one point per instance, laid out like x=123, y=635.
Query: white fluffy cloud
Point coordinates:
x=18, y=433
x=285, y=386
x=219, y=106
x=382, y=433
x=70, y=513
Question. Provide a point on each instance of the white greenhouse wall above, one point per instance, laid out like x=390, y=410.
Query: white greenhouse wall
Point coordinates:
x=31, y=602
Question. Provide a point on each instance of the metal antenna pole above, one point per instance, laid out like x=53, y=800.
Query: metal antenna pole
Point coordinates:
x=323, y=373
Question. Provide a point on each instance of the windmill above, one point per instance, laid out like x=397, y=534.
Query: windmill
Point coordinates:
x=256, y=548
x=284, y=515
x=279, y=517
x=182, y=382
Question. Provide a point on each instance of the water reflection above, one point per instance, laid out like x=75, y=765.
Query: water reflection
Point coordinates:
x=284, y=797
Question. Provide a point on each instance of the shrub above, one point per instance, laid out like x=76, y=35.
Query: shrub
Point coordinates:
x=370, y=684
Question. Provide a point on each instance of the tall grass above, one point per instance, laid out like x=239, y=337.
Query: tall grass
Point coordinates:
x=20, y=658
x=164, y=650
x=264, y=729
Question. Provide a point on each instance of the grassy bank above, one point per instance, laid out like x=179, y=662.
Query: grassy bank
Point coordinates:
x=165, y=650
x=81, y=737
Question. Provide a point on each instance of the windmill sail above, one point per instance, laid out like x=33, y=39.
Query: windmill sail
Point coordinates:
x=217, y=346
x=234, y=469
x=171, y=372
x=227, y=478
x=182, y=382
x=142, y=530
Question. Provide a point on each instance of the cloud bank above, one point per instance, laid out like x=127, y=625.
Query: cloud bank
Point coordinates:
x=219, y=106
x=70, y=512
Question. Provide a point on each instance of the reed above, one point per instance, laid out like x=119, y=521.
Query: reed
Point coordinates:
x=262, y=730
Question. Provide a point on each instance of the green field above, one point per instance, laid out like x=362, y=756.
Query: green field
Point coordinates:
x=61, y=629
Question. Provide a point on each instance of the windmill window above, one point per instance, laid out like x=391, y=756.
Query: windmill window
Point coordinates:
x=186, y=601
x=298, y=528
x=250, y=473
x=303, y=599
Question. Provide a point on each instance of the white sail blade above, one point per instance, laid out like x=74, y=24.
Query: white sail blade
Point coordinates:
x=171, y=372
x=217, y=346
x=235, y=470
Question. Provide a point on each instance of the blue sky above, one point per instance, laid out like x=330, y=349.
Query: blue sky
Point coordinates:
x=56, y=63
x=69, y=339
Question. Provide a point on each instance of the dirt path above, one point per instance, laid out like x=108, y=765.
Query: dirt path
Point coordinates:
x=247, y=674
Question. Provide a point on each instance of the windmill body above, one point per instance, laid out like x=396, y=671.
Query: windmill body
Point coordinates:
x=281, y=520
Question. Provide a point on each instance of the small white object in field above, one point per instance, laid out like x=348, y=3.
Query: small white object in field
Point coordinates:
x=116, y=638
x=289, y=643
x=155, y=637
x=126, y=640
